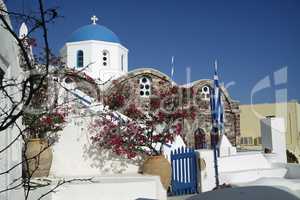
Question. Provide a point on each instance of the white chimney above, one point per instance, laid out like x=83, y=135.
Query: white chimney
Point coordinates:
x=273, y=133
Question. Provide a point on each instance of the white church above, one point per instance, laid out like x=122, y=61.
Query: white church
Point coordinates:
x=98, y=49
x=98, y=52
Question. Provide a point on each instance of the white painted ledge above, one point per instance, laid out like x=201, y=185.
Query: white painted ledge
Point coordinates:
x=238, y=177
x=123, y=187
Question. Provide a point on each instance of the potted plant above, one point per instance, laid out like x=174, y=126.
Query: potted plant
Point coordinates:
x=143, y=133
x=40, y=134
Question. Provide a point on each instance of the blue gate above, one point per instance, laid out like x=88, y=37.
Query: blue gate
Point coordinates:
x=184, y=171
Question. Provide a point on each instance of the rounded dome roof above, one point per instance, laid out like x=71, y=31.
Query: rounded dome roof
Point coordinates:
x=93, y=32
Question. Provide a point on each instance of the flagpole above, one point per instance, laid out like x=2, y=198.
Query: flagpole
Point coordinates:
x=216, y=158
x=215, y=129
x=172, y=68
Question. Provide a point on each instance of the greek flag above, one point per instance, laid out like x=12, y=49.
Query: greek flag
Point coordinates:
x=216, y=104
x=172, y=70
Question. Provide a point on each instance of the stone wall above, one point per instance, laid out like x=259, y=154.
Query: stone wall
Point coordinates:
x=129, y=86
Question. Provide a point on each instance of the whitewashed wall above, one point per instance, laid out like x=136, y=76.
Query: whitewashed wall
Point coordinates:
x=240, y=168
x=273, y=134
x=106, y=188
x=74, y=155
x=12, y=156
x=206, y=176
x=93, y=56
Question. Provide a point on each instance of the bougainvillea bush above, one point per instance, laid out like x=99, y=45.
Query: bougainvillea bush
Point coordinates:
x=43, y=117
x=140, y=132
x=39, y=125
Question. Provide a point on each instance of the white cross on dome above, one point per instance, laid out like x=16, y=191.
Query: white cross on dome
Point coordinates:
x=94, y=19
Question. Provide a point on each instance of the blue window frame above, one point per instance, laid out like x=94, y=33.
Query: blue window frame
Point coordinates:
x=122, y=62
x=80, y=58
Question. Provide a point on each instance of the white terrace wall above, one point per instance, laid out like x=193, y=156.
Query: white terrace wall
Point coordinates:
x=74, y=154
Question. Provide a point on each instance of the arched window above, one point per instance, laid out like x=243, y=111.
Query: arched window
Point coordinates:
x=80, y=58
x=145, y=87
x=105, y=58
x=205, y=93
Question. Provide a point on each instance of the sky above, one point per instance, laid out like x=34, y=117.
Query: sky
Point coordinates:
x=251, y=39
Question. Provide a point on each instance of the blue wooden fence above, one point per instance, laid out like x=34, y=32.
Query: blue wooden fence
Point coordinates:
x=184, y=171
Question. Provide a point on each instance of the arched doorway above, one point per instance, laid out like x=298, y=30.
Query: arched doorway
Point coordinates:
x=200, y=139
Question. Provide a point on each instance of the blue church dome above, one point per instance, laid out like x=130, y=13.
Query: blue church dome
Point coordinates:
x=93, y=32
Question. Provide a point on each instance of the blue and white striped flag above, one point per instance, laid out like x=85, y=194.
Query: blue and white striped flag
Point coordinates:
x=172, y=70
x=216, y=103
